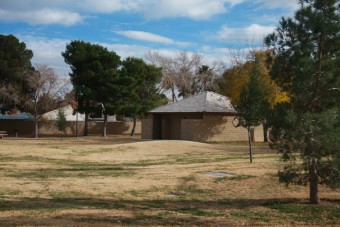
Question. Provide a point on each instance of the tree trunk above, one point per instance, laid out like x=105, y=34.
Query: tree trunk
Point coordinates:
x=134, y=127
x=86, y=128
x=77, y=124
x=174, y=99
x=104, y=125
x=313, y=183
x=250, y=151
x=265, y=132
x=36, y=127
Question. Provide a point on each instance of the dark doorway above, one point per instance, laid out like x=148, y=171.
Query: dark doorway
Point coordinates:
x=171, y=127
x=175, y=130
x=157, y=127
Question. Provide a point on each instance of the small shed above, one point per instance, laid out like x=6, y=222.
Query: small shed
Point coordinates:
x=206, y=117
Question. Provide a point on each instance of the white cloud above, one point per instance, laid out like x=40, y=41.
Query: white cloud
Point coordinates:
x=110, y=6
x=145, y=36
x=151, y=37
x=252, y=34
x=194, y=9
x=292, y=4
x=30, y=5
x=68, y=12
x=258, y=30
x=151, y=9
x=43, y=16
x=47, y=51
x=139, y=51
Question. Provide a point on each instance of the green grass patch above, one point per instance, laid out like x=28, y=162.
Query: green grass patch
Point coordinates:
x=233, y=178
x=103, y=150
x=253, y=216
x=200, y=158
x=192, y=191
x=31, y=158
x=63, y=200
x=81, y=171
x=9, y=192
x=242, y=144
x=198, y=212
x=307, y=213
x=185, y=159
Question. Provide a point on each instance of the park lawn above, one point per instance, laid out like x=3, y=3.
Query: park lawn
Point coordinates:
x=125, y=181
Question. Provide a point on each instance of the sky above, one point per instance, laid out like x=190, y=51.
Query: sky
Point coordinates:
x=135, y=27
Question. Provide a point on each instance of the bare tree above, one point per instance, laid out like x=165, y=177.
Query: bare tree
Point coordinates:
x=47, y=93
x=185, y=74
x=9, y=96
x=168, y=82
x=187, y=68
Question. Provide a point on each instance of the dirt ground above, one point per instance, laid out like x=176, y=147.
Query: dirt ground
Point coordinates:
x=121, y=180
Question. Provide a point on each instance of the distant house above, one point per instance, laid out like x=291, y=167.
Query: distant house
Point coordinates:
x=22, y=124
x=204, y=117
x=72, y=116
x=69, y=114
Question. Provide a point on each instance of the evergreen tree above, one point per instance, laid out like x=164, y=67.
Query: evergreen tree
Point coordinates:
x=61, y=122
x=143, y=93
x=252, y=104
x=81, y=56
x=109, y=85
x=94, y=74
x=307, y=49
x=15, y=65
x=235, y=78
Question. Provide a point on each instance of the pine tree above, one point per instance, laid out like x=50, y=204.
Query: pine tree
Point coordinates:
x=15, y=66
x=143, y=94
x=307, y=49
x=252, y=104
x=94, y=77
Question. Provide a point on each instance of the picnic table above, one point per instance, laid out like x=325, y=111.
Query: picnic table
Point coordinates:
x=2, y=134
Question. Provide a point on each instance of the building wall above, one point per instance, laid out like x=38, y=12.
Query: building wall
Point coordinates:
x=26, y=128
x=217, y=128
x=258, y=134
x=210, y=128
x=188, y=128
x=147, y=127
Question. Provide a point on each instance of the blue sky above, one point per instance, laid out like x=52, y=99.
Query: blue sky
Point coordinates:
x=134, y=27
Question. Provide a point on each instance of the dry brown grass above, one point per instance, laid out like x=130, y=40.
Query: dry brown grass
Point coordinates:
x=125, y=181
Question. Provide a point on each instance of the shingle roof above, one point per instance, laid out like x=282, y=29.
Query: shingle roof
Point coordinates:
x=208, y=102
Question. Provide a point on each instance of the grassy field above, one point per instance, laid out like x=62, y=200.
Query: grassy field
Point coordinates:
x=124, y=181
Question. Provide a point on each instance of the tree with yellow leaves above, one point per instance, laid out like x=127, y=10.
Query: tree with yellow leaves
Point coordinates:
x=235, y=78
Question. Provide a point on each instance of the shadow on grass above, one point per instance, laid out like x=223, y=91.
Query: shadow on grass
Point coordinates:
x=90, y=171
x=85, y=203
x=167, y=211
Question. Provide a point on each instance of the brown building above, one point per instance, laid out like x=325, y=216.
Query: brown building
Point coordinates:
x=206, y=117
